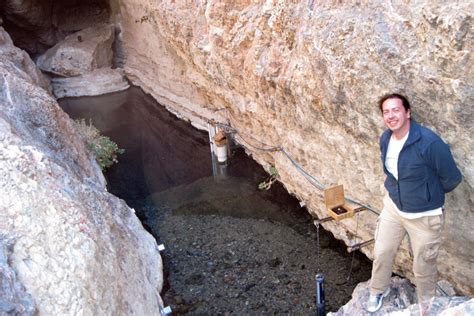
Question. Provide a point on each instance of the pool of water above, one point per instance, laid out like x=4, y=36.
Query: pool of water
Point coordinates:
x=230, y=248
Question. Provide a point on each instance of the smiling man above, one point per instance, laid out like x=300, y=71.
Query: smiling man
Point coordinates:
x=419, y=171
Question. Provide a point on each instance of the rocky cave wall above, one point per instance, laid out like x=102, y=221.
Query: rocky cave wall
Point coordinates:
x=306, y=76
x=67, y=246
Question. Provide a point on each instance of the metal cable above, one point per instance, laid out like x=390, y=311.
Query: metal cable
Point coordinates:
x=311, y=179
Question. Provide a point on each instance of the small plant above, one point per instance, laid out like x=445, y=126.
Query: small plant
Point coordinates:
x=266, y=185
x=104, y=149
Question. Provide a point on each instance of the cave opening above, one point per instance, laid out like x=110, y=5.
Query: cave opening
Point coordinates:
x=35, y=26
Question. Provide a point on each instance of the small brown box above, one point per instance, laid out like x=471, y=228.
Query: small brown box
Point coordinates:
x=336, y=203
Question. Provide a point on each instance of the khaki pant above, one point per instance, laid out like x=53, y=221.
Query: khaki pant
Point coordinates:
x=425, y=239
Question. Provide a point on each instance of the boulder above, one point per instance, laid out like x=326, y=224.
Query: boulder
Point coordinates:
x=96, y=82
x=305, y=77
x=80, y=52
x=402, y=301
x=77, y=248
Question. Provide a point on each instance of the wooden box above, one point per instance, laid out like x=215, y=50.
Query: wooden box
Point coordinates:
x=336, y=203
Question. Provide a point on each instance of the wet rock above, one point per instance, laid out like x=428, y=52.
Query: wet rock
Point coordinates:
x=96, y=82
x=80, y=52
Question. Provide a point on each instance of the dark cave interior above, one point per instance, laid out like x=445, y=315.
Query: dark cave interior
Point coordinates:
x=36, y=25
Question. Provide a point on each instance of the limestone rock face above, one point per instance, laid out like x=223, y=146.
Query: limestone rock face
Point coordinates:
x=305, y=76
x=80, y=52
x=97, y=82
x=77, y=249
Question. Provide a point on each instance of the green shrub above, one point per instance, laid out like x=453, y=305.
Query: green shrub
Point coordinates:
x=104, y=149
x=267, y=184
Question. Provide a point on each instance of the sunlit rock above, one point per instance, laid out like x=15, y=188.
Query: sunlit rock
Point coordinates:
x=401, y=301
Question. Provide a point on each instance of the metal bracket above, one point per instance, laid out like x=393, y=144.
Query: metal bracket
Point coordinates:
x=360, y=245
x=329, y=218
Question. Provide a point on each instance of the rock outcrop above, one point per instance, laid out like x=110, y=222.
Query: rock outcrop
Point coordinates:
x=80, y=65
x=80, y=52
x=76, y=248
x=305, y=76
x=96, y=82
x=402, y=301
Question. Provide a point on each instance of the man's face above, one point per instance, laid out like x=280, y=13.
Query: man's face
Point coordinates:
x=395, y=117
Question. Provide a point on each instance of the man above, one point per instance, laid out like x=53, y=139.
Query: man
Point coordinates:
x=419, y=171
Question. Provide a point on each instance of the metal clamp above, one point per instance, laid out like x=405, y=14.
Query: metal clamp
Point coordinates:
x=360, y=245
x=329, y=218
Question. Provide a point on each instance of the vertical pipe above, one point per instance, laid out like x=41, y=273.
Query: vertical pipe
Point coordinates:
x=320, y=301
x=211, y=131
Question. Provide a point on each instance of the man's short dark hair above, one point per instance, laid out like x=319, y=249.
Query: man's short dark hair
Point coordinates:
x=404, y=100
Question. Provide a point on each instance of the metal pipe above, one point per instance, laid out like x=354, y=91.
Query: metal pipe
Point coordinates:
x=320, y=300
x=360, y=245
x=329, y=218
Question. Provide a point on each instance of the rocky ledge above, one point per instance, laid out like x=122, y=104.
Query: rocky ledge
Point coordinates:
x=401, y=301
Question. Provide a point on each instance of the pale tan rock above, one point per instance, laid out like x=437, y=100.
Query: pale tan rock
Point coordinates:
x=306, y=76
x=78, y=250
x=97, y=82
x=80, y=52
x=401, y=301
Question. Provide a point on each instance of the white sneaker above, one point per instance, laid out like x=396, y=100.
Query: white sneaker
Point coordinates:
x=375, y=301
